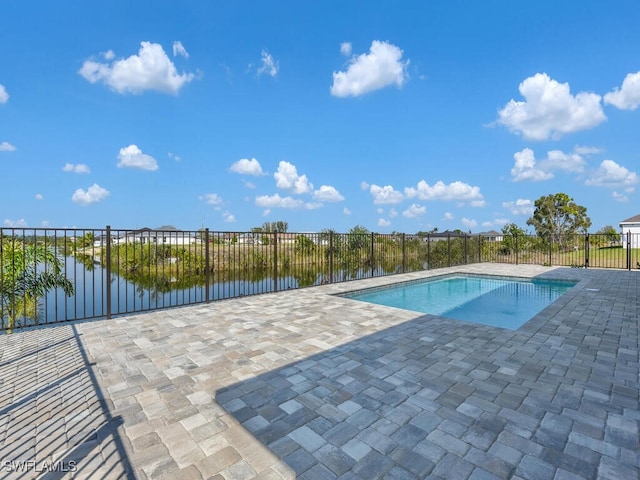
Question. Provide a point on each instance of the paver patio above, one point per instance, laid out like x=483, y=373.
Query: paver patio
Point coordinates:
x=304, y=384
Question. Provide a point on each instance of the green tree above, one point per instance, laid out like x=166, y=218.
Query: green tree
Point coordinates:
x=86, y=240
x=557, y=218
x=27, y=273
x=331, y=242
x=278, y=226
x=358, y=238
x=607, y=230
x=512, y=236
x=304, y=244
x=607, y=235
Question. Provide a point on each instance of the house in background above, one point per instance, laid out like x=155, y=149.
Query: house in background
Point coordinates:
x=440, y=236
x=491, y=236
x=251, y=238
x=632, y=226
x=163, y=236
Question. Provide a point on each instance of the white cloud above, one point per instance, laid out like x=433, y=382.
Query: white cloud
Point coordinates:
x=626, y=97
x=211, y=199
x=346, y=48
x=584, y=150
x=448, y=216
x=380, y=211
x=520, y=207
x=39, y=196
x=287, y=178
x=268, y=65
x=175, y=157
x=6, y=147
x=385, y=195
x=151, y=69
x=393, y=213
x=469, y=223
x=132, y=157
x=455, y=191
x=381, y=67
x=327, y=193
x=568, y=162
x=246, y=166
x=612, y=175
x=414, y=211
x=620, y=197
x=178, y=49
x=497, y=223
x=4, y=96
x=22, y=223
x=276, y=201
x=549, y=110
x=525, y=168
x=383, y=223
x=94, y=194
x=364, y=185
x=346, y=211
x=77, y=168
x=228, y=217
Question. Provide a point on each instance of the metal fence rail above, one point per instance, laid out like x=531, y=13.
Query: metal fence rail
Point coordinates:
x=55, y=275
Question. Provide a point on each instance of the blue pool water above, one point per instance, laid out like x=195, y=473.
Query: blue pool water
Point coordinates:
x=500, y=302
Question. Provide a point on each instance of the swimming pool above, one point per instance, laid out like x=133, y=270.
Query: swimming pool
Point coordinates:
x=497, y=301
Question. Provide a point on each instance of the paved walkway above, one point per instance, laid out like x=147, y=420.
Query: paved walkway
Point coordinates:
x=303, y=384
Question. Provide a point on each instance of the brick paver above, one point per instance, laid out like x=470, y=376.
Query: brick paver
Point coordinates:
x=305, y=384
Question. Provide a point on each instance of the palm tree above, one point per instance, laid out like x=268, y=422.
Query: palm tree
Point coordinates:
x=27, y=273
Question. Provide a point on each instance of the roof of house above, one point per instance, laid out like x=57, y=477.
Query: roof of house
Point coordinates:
x=634, y=219
x=447, y=233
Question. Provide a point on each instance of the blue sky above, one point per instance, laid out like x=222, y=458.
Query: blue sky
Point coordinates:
x=397, y=116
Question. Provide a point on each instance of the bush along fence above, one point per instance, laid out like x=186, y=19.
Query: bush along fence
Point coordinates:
x=55, y=275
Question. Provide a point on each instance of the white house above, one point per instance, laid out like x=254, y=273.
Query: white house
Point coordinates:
x=159, y=237
x=250, y=238
x=632, y=226
x=491, y=236
x=101, y=240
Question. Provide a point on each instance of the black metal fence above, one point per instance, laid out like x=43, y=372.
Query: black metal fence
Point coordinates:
x=55, y=275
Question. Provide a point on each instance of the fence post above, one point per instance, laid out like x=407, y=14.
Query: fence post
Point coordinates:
x=550, y=250
x=465, y=249
x=629, y=250
x=207, y=265
x=449, y=249
x=479, y=248
x=586, y=251
x=517, y=249
x=371, y=256
x=331, y=257
x=428, y=251
x=108, y=272
x=404, y=254
x=275, y=261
